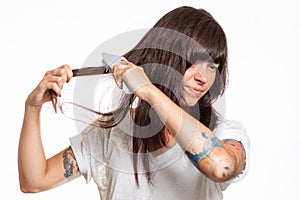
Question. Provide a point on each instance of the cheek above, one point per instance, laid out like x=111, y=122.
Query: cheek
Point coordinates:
x=187, y=74
x=211, y=80
x=186, y=77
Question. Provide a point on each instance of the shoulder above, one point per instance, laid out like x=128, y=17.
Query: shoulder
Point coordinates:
x=231, y=129
x=91, y=133
x=226, y=123
x=95, y=139
x=89, y=148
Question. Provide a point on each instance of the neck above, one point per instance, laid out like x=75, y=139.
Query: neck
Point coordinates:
x=170, y=142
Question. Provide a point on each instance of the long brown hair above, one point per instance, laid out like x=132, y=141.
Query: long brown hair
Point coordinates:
x=175, y=42
x=167, y=50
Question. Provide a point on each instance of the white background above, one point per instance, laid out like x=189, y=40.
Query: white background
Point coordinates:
x=37, y=36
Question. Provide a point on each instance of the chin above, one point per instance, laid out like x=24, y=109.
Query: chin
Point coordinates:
x=190, y=102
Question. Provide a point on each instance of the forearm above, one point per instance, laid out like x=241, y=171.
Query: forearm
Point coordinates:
x=31, y=157
x=189, y=132
x=218, y=160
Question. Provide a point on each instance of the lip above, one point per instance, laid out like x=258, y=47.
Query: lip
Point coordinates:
x=195, y=90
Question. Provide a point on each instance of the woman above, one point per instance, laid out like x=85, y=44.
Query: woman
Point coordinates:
x=172, y=144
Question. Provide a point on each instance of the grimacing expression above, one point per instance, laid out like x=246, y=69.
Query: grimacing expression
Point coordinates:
x=197, y=80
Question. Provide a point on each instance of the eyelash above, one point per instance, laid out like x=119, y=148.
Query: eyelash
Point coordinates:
x=212, y=67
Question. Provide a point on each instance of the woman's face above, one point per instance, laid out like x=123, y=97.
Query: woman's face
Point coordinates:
x=197, y=80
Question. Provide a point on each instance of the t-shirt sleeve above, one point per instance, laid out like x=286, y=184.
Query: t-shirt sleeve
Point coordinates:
x=231, y=129
x=82, y=153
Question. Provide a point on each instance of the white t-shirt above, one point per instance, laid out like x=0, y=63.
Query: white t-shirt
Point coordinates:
x=105, y=156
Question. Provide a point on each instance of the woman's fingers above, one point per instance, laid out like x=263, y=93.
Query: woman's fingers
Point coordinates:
x=53, y=86
x=64, y=72
x=133, y=76
x=52, y=80
x=119, y=71
x=57, y=78
x=52, y=83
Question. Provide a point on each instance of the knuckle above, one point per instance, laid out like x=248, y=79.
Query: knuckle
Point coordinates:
x=48, y=72
x=59, y=79
x=116, y=67
x=63, y=70
x=64, y=78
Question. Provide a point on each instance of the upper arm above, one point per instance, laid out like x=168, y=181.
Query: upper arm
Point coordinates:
x=224, y=161
x=61, y=168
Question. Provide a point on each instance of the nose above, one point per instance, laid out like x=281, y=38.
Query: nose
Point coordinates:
x=200, y=74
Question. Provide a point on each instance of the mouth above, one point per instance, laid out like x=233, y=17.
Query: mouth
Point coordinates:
x=194, y=90
x=192, y=95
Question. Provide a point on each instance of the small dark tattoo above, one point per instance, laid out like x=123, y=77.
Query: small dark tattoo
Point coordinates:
x=204, y=135
x=69, y=164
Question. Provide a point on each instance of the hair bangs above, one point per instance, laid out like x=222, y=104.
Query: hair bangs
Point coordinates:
x=208, y=41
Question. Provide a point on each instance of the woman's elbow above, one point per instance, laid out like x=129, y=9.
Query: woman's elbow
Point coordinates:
x=26, y=189
x=29, y=186
x=219, y=173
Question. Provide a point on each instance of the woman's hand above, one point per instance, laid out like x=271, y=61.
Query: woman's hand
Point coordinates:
x=134, y=77
x=53, y=80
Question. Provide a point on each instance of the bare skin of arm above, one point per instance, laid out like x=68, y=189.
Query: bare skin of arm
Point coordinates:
x=218, y=160
x=36, y=173
x=228, y=159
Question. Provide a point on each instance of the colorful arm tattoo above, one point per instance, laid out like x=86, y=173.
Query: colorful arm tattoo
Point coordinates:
x=209, y=145
x=69, y=162
x=226, y=158
x=238, y=149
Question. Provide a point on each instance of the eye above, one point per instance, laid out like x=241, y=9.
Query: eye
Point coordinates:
x=212, y=67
